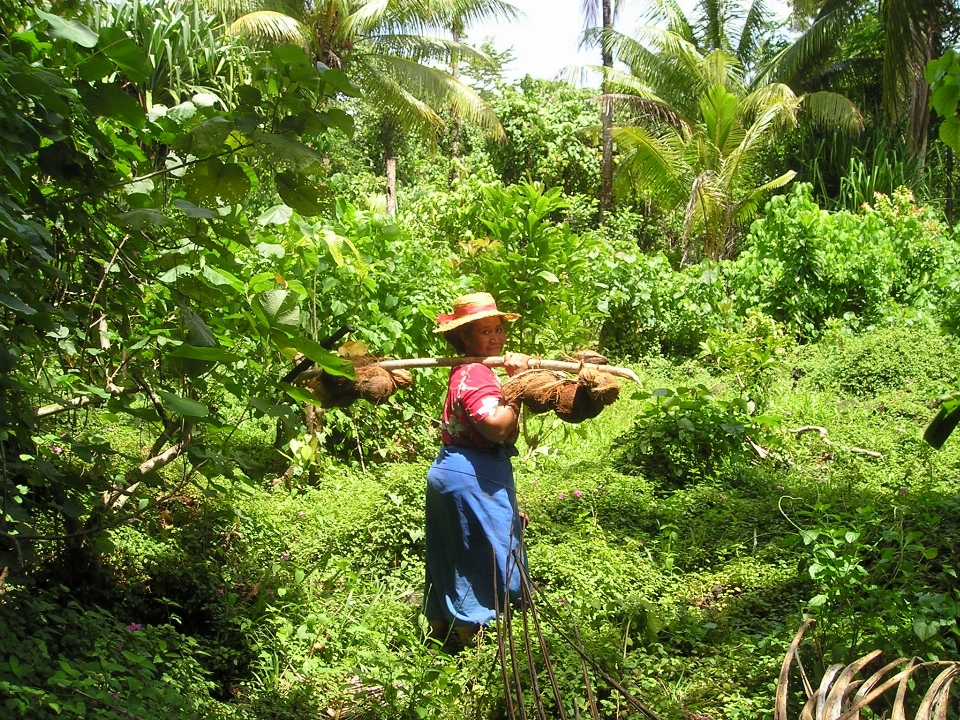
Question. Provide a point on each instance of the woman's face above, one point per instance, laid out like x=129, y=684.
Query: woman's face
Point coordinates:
x=484, y=337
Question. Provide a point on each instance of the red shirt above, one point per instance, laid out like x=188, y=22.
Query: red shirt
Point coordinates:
x=473, y=393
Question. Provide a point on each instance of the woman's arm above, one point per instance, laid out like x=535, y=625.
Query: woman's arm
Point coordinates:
x=502, y=422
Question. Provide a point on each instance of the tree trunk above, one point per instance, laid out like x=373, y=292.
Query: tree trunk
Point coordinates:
x=918, y=129
x=606, y=120
x=391, y=186
x=454, y=119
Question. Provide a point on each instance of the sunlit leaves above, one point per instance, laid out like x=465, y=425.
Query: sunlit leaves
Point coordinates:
x=71, y=30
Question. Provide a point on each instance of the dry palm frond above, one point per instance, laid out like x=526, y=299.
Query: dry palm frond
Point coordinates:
x=840, y=696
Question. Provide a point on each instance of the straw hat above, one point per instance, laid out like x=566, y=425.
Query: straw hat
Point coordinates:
x=468, y=308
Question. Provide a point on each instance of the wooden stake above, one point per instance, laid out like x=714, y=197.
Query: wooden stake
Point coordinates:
x=535, y=364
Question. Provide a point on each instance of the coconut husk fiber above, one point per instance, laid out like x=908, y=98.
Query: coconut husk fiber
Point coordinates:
x=370, y=382
x=572, y=399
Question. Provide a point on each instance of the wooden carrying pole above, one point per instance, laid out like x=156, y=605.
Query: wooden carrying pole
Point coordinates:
x=534, y=364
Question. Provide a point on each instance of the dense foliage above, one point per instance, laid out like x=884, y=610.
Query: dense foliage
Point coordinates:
x=184, y=218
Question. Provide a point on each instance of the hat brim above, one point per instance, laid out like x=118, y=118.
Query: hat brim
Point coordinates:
x=467, y=319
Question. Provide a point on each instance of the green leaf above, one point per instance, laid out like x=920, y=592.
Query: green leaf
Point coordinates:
x=209, y=136
x=291, y=151
x=69, y=29
x=112, y=101
x=16, y=305
x=192, y=352
x=215, y=181
x=73, y=508
x=950, y=132
x=301, y=395
x=330, y=362
x=198, y=332
x=191, y=210
x=299, y=193
x=280, y=308
x=277, y=215
x=341, y=120
x=141, y=218
x=116, y=45
x=182, y=406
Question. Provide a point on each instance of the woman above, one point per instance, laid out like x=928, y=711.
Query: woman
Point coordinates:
x=473, y=528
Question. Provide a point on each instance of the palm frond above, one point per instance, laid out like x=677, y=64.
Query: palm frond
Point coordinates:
x=754, y=23
x=649, y=108
x=651, y=163
x=269, y=27
x=670, y=13
x=831, y=110
x=421, y=48
x=747, y=207
x=812, y=48
x=432, y=88
x=835, y=696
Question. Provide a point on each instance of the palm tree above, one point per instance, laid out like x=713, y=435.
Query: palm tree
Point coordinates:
x=703, y=113
x=607, y=11
x=699, y=132
x=384, y=46
x=911, y=33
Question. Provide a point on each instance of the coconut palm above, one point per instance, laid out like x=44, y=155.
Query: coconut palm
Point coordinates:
x=908, y=34
x=702, y=118
x=385, y=48
x=605, y=11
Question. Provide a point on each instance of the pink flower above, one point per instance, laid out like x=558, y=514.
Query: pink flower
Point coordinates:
x=57, y=449
x=577, y=493
x=561, y=495
x=133, y=627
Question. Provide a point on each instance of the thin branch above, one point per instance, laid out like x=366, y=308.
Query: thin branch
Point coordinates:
x=83, y=401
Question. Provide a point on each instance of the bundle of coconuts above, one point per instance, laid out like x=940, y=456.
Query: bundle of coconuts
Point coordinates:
x=370, y=382
x=572, y=399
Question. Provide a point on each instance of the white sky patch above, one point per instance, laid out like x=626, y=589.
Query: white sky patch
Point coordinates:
x=546, y=37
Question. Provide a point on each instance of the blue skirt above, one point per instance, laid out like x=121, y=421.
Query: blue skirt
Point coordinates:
x=472, y=531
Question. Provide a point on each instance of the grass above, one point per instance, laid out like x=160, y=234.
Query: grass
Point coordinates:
x=303, y=600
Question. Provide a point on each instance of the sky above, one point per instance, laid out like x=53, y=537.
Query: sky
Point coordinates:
x=545, y=38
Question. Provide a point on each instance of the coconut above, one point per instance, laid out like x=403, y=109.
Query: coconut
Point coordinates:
x=373, y=383
x=573, y=400
x=402, y=379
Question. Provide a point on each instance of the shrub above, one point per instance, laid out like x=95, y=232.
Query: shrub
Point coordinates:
x=804, y=265
x=887, y=359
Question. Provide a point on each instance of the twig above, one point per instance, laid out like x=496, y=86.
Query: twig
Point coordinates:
x=83, y=401
x=822, y=431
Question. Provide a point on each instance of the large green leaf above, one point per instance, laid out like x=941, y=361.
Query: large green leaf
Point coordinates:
x=141, y=218
x=328, y=361
x=116, y=45
x=191, y=210
x=280, y=308
x=207, y=137
x=301, y=395
x=112, y=101
x=299, y=193
x=68, y=29
x=209, y=354
x=182, y=406
x=216, y=181
x=291, y=151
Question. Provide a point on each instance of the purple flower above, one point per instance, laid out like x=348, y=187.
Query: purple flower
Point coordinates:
x=285, y=556
x=561, y=495
x=114, y=696
x=219, y=591
x=577, y=493
x=903, y=491
x=133, y=627
x=57, y=449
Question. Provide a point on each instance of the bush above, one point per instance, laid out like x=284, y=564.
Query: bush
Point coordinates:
x=887, y=359
x=804, y=265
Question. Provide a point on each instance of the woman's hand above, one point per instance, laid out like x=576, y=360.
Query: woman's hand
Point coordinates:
x=514, y=363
